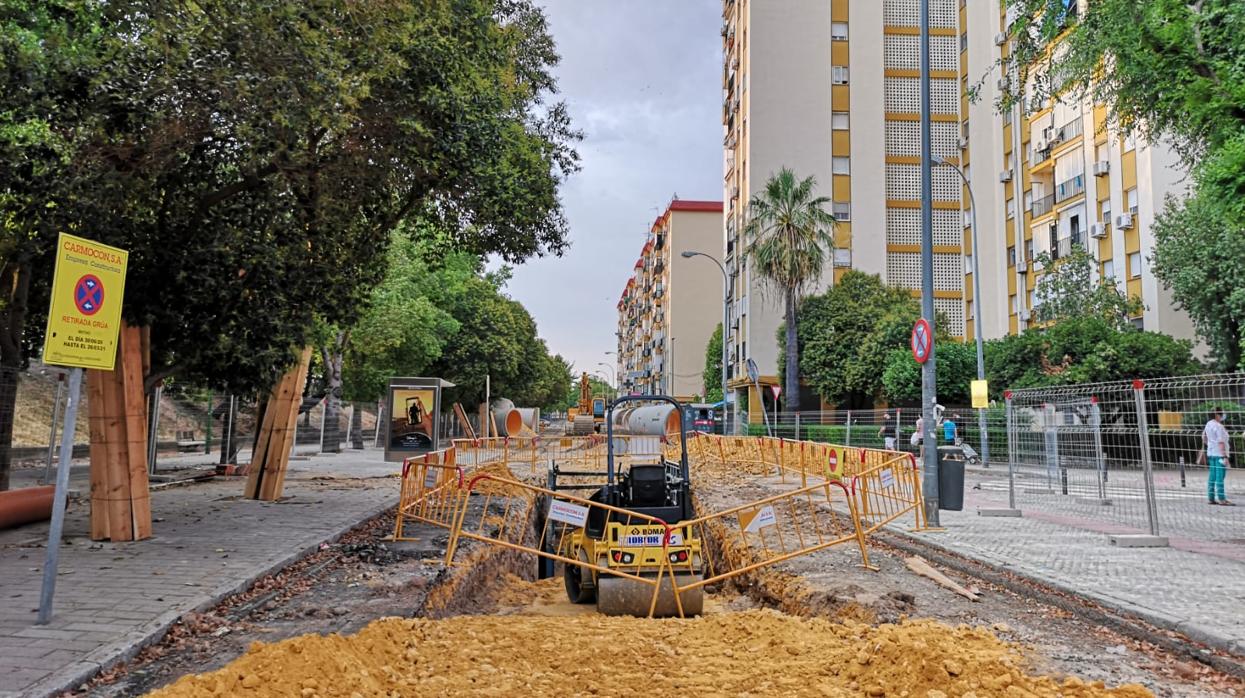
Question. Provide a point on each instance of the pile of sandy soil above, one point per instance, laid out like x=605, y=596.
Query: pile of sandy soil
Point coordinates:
x=757, y=653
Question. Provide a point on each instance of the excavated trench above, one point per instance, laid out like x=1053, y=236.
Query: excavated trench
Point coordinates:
x=488, y=627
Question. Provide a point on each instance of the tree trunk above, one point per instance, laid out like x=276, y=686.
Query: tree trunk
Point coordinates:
x=792, y=389
x=15, y=287
x=332, y=356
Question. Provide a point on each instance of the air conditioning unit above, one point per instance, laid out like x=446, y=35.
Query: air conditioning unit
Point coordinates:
x=1124, y=221
x=1000, y=38
x=1022, y=265
x=1035, y=104
x=1025, y=315
x=1132, y=210
x=1098, y=231
x=1005, y=176
x=1101, y=168
x=1003, y=84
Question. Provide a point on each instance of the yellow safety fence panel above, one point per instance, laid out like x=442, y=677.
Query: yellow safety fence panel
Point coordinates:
x=890, y=490
x=776, y=529
x=505, y=511
x=431, y=489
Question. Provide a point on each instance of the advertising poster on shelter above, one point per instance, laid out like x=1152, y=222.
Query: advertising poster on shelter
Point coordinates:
x=412, y=425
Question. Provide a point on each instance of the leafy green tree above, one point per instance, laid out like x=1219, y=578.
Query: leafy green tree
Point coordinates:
x=253, y=157
x=1200, y=254
x=712, y=375
x=846, y=333
x=956, y=368
x=1084, y=350
x=1066, y=290
x=790, y=237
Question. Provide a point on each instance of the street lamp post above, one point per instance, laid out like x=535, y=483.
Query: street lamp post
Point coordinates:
x=613, y=377
x=981, y=363
x=726, y=326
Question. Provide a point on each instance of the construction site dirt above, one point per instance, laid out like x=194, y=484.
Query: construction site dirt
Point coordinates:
x=363, y=577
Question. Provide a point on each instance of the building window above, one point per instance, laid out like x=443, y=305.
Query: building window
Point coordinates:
x=1011, y=256
x=1029, y=200
x=1012, y=300
x=968, y=310
x=842, y=165
x=1011, y=209
x=1134, y=265
x=968, y=264
x=843, y=210
x=1106, y=212
x=963, y=42
x=1130, y=200
x=838, y=31
x=838, y=75
x=1130, y=143
x=840, y=121
x=1108, y=271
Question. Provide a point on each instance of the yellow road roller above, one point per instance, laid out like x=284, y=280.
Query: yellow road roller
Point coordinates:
x=647, y=484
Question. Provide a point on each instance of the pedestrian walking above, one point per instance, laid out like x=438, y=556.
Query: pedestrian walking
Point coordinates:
x=887, y=432
x=918, y=437
x=1217, y=452
x=948, y=429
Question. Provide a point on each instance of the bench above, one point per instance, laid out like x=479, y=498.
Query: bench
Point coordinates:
x=186, y=441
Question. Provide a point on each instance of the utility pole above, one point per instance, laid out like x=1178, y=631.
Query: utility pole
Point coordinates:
x=929, y=388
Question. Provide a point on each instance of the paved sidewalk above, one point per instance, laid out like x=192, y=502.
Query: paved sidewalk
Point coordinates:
x=1199, y=592
x=209, y=542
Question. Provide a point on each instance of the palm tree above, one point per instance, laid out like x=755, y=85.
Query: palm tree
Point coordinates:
x=789, y=236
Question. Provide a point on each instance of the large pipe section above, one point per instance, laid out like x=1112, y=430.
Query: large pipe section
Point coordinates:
x=511, y=419
x=649, y=420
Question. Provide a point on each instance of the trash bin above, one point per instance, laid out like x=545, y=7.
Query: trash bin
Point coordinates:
x=950, y=479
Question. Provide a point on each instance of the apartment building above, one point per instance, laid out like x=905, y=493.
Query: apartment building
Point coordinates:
x=830, y=88
x=1049, y=175
x=671, y=304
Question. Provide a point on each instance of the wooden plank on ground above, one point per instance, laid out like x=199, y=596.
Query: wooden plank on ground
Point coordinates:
x=116, y=488
x=255, y=471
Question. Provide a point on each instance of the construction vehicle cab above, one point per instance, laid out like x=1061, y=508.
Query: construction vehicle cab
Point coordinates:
x=650, y=485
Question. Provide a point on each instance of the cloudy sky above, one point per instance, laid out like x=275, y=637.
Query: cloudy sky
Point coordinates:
x=643, y=81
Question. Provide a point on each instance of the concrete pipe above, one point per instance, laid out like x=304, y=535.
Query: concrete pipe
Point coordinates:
x=649, y=420
x=509, y=421
x=530, y=416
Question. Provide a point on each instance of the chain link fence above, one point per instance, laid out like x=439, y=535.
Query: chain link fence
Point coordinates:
x=1129, y=454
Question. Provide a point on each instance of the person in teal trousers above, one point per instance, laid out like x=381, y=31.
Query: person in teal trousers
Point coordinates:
x=1217, y=452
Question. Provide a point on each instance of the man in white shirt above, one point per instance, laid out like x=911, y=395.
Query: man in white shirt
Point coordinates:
x=1216, y=437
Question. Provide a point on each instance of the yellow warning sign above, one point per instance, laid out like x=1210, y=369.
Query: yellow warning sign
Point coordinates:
x=981, y=394
x=84, y=317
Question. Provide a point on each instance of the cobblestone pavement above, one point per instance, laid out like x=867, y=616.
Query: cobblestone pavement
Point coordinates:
x=208, y=542
x=1196, y=587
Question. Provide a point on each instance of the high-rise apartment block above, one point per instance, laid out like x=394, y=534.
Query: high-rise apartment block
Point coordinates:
x=1051, y=174
x=671, y=305
x=830, y=88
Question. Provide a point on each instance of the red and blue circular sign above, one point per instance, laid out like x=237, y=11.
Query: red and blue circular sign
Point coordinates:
x=88, y=294
x=922, y=341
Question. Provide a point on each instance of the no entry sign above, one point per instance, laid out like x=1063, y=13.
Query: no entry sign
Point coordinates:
x=922, y=341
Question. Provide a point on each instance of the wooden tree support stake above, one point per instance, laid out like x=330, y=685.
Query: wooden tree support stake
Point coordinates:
x=117, y=405
x=266, y=474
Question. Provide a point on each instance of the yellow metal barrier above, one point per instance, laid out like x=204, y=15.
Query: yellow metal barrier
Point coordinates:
x=776, y=529
x=431, y=487
x=888, y=491
x=505, y=511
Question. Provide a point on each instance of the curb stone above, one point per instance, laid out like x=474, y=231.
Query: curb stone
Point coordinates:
x=1117, y=614
x=108, y=656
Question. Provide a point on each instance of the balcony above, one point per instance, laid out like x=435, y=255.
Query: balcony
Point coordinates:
x=1064, y=247
x=1043, y=206
x=1068, y=131
x=1069, y=188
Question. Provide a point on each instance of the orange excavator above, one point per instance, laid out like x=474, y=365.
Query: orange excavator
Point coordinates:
x=590, y=415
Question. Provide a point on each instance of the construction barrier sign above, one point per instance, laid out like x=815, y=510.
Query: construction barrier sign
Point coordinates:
x=981, y=394
x=84, y=318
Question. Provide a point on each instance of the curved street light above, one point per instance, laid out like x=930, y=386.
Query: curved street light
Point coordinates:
x=726, y=327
